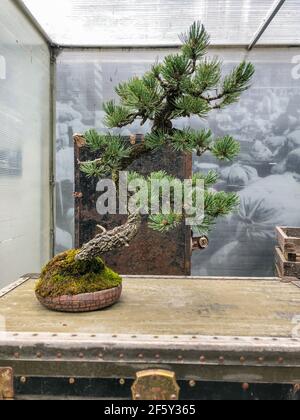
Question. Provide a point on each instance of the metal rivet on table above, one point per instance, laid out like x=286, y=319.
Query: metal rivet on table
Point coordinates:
x=23, y=380
x=72, y=381
x=122, y=381
x=192, y=383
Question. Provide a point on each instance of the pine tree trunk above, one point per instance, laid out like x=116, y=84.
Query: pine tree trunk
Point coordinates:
x=117, y=238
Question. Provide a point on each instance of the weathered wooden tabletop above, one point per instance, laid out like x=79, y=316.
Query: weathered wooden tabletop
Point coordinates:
x=169, y=306
x=232, y=330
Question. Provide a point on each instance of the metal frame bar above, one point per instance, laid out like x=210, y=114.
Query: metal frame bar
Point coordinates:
x=167, y=47
x=266, y=23
x=54, y=51
x=6, y=290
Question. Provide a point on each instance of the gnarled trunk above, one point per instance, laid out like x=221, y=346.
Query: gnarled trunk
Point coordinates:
x=110, y=240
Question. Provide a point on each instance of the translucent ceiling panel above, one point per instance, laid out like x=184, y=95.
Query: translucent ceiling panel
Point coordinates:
x=146, y=22
x=285, y=28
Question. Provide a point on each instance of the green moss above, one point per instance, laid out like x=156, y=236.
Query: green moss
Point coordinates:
x=65, y=276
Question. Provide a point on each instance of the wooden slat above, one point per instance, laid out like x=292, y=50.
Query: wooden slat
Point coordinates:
x=286, y=268
x=289, y=242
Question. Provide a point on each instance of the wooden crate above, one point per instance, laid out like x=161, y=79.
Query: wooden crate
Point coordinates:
x=286, y=268
x=289, y=242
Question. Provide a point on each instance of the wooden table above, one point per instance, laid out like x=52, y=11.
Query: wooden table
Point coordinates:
x=204, y=329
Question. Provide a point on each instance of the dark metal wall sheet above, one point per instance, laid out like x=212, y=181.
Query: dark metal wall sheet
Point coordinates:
x=121, y=389
x=204, y=359
x=150, y=252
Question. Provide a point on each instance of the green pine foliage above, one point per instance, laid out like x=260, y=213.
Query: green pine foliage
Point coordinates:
x=226, y=148
x=164, y=223
x=195, y=42
x=182, y=85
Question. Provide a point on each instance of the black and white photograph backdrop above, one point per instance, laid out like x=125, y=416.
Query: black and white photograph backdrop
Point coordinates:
x=266, y=122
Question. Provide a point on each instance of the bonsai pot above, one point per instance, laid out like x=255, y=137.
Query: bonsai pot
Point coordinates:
x=85, y=302
x=68, y=284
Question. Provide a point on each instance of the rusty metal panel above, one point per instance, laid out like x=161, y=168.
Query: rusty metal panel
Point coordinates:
x=150, y=252
x=226, y=359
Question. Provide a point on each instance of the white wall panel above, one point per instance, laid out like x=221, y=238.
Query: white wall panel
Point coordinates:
x=24, y=145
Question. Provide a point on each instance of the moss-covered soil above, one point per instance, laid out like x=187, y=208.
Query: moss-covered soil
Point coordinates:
x=65, y=276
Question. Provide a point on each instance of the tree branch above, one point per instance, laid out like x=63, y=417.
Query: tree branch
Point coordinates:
x=137, y=150
x=114, y=239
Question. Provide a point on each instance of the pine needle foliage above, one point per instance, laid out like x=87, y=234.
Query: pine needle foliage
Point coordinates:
x=183, y=85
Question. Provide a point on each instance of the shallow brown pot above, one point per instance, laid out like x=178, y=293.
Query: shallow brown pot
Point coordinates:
x=87, y=302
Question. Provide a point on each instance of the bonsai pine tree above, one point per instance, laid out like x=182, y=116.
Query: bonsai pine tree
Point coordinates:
x=183, y=85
